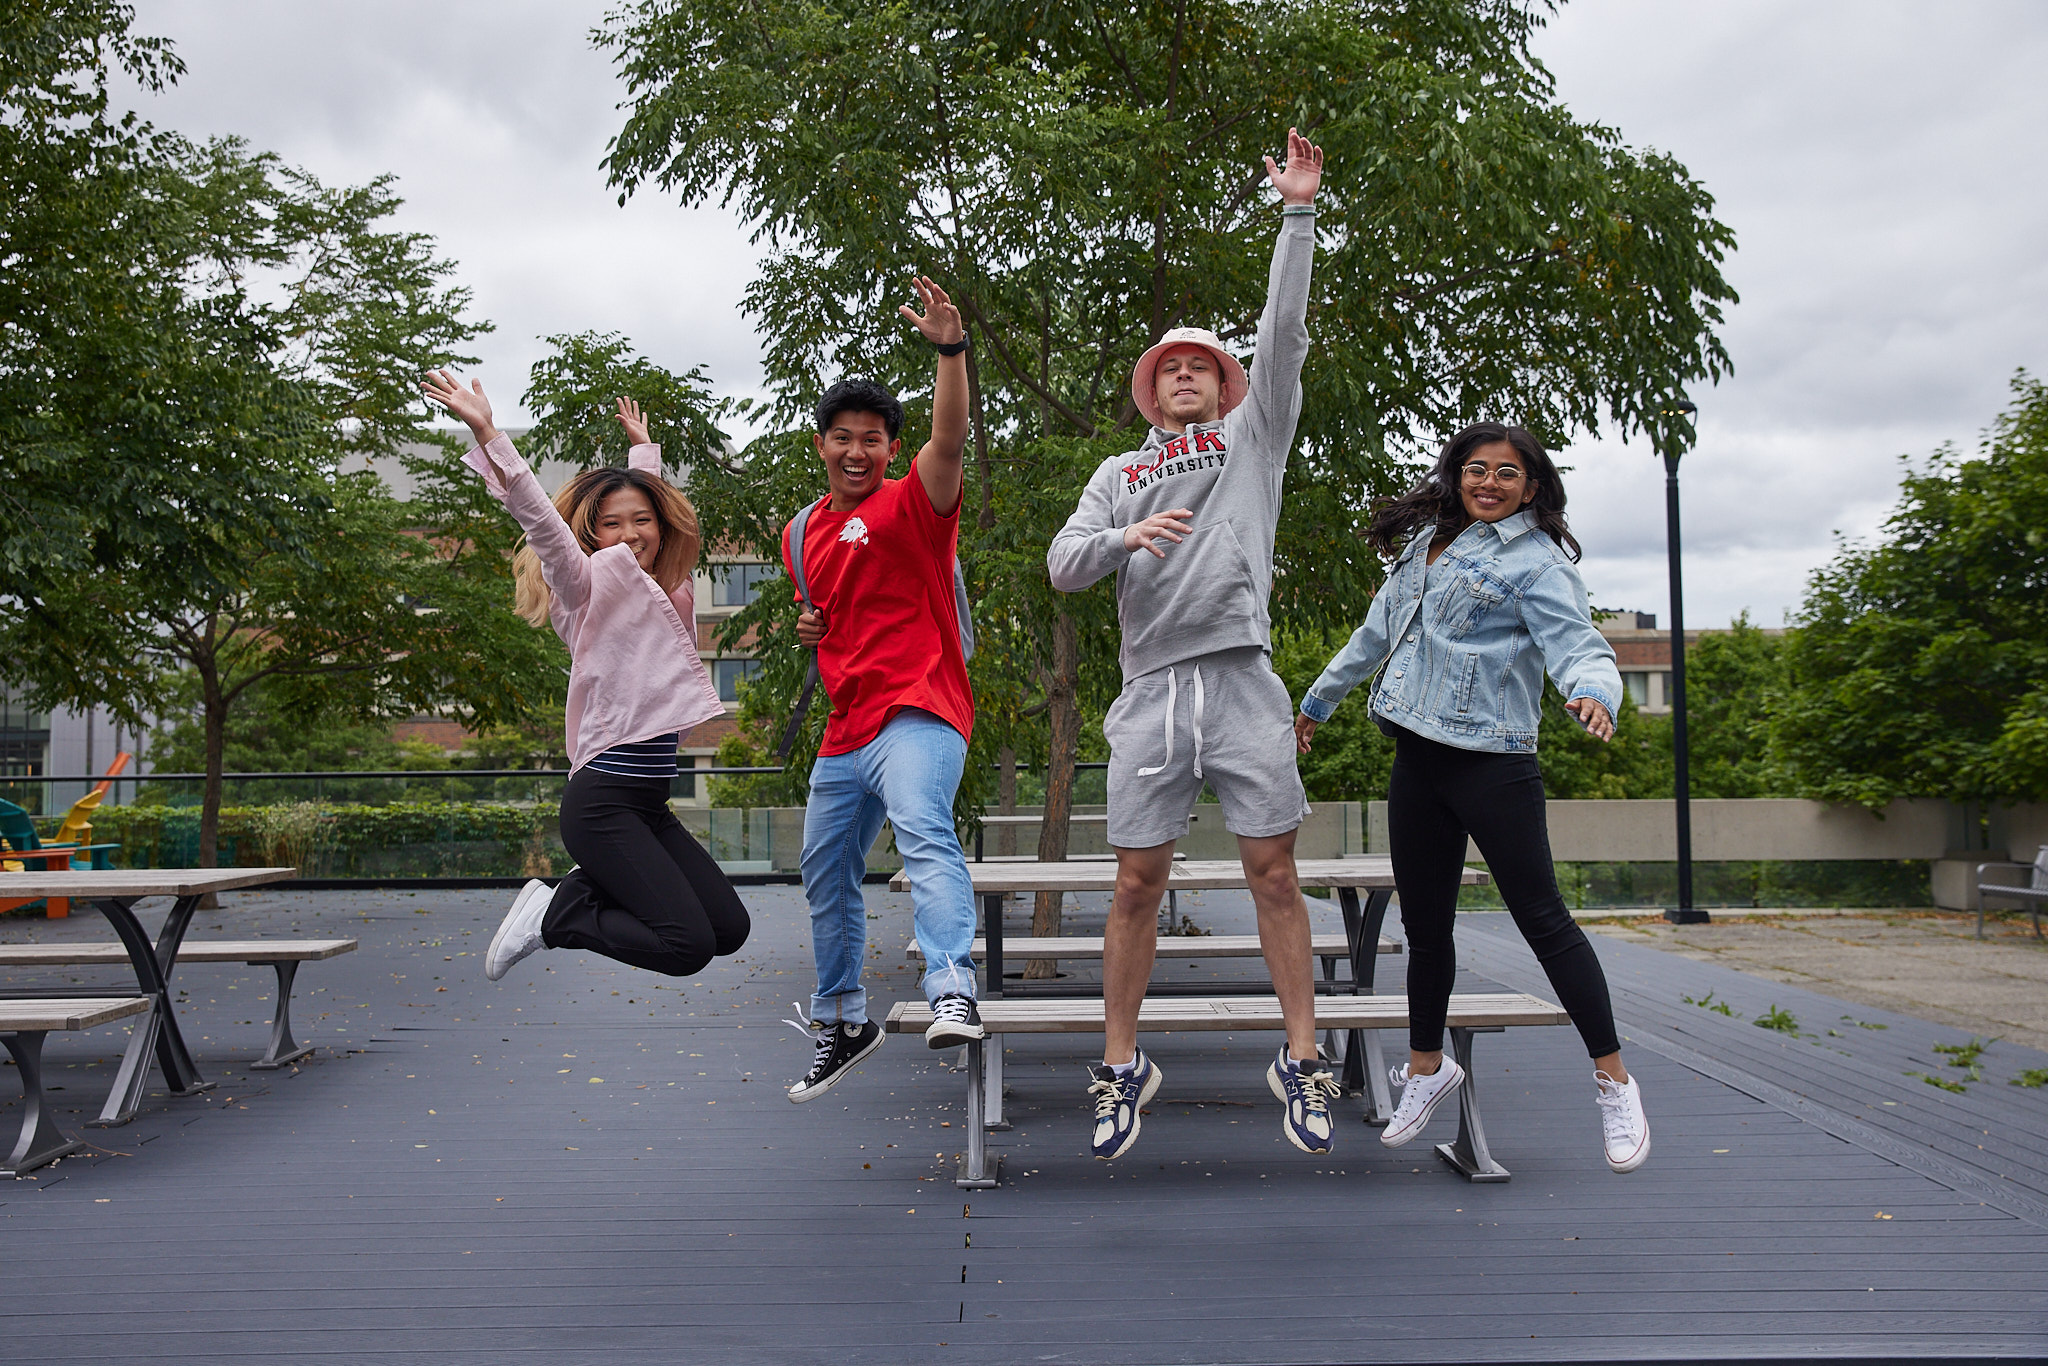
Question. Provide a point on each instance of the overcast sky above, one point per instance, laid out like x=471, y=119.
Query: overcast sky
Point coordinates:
x=1879, y=162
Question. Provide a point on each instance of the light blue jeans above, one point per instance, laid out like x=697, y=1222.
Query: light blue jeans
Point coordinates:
x=908, y=774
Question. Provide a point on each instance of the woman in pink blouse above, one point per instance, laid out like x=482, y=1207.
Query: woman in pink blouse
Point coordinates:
x=608, y=564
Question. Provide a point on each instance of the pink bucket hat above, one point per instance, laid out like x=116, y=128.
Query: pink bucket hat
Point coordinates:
x=1144, y=381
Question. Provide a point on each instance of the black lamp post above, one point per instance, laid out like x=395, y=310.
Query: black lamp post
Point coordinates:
x=1683, y=913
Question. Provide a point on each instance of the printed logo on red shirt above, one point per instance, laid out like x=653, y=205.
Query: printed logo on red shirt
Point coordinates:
x=855, y=530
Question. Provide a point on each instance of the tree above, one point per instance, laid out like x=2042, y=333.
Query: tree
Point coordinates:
x=1920, y=663
x=185, y=453
x=1082, y=180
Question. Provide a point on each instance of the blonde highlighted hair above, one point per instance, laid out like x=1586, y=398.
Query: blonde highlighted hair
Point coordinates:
x=579, y=502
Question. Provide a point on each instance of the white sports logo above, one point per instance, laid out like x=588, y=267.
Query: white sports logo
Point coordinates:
x=854, y=530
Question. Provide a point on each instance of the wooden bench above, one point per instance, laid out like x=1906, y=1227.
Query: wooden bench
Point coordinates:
x=113, y=892
x=1372, y=875
x=22, y=1027
x=282, y=955
x=1470, y=1013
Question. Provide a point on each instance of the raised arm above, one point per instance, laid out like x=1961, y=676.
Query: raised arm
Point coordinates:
x=942, y=464
x=1273, y=399
x=563, y=562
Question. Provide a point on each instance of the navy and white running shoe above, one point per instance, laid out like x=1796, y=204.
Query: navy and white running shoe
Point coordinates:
x=1306, y=1089
x=1118, y=1098
x=956, y=1020
x=838, y=1048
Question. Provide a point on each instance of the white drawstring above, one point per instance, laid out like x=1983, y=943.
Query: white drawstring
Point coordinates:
x=1172, y=697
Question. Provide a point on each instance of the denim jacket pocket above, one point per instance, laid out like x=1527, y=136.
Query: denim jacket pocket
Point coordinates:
x=1482, y=594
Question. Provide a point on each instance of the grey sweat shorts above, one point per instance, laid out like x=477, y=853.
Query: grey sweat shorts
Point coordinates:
x=1224, y=719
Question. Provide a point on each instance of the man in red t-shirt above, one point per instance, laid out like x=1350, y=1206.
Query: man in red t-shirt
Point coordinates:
x=878, y=559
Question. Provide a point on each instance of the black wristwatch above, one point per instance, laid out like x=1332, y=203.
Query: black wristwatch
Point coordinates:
x=950, y=348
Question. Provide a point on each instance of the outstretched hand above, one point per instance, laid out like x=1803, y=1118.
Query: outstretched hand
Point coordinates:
x=1594, y=717
x=940, y=321
x=634, y=421
x=470, y=405
x=1158, y=531
x=1302, y=174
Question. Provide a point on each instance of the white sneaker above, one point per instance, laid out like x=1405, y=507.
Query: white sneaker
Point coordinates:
x=519, y=933
x=1623, y=1124
x=1419, y=1098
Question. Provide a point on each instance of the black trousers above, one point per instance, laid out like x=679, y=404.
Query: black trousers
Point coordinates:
x=1439, y=795
x=643, y=891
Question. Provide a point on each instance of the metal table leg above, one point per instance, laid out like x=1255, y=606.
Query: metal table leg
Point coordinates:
x=974, y=1172
x=283, y=1050
x=157, y=1030
x=1469, y=1153
x=992, y=956
x=1365, y=1067
x=41, y=1140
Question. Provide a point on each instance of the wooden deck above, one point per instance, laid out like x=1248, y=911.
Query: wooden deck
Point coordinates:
x=589, y=1164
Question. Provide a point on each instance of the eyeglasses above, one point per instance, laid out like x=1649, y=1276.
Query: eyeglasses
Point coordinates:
x=1508, y=475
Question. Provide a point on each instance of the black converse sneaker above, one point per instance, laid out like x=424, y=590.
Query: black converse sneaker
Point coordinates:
x=839, y=1048
x=956, y=1020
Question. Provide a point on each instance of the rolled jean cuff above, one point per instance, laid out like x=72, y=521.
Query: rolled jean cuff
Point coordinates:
x=951, y=979
x=848, y=1007
x=1316, y=709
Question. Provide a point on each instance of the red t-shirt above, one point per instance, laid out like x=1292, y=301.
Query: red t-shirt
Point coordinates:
x=883, y=576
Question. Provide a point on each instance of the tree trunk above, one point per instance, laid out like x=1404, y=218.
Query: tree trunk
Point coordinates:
x=1062, y=686
x=1006, y=798
x=214, y=717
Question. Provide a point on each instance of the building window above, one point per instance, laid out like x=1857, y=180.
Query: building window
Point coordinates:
x=727, y=673
x=1664, y=689
x=1637, y=685
x=24, y=738
x=736, y=585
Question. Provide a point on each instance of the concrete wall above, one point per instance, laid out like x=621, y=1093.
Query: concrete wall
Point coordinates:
x=766, y=839
x=1789, y=829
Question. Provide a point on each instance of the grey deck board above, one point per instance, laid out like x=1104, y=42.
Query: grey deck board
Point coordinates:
x=292, y=1217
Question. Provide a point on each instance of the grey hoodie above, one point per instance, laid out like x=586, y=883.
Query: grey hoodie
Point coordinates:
x=1210, y=591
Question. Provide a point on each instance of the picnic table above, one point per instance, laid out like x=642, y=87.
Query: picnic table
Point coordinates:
x=113, y=892
x=1364, y=918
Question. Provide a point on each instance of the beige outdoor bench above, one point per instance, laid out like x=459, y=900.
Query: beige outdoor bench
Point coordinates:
x=1470, y=1013
x=22, y=1027
x=282, y=955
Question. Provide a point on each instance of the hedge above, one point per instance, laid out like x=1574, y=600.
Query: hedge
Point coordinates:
x=411, y=839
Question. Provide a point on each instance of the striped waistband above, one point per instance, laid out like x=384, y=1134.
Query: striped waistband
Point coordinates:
x=654, y=758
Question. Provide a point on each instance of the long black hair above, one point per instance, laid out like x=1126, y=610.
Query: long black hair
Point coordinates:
x=1436, y=501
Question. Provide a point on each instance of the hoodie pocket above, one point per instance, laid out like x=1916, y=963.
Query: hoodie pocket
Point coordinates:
x=1204, y=581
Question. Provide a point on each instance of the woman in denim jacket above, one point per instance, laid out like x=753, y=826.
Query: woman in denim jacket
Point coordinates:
x=1482, y=600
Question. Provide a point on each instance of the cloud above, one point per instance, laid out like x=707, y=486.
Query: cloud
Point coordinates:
x=1874, y=161
x=1879, y=161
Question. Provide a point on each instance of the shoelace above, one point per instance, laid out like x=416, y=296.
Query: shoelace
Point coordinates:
x=824, y=1036
x=1615, y=1119
x=1318, y=1089
x=1108, y=1095
x=952, y=1009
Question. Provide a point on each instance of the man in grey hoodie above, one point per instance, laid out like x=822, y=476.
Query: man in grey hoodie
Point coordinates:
x=1186, y=524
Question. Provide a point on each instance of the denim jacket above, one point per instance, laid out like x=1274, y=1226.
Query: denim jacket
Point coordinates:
x=1464, y=643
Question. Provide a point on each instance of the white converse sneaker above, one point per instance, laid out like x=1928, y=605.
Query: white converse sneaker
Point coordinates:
x=1419, y=1098
x=1623, y=1124
x=519, y=934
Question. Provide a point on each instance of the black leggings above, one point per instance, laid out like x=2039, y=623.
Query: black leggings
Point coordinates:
x=643, y=891
x=1437, y=796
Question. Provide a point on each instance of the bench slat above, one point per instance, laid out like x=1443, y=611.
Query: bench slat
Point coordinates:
x=191, y=951
x=1371, y=871
x=1170, y=946
x=1081, y=1015
x=35, y=1016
